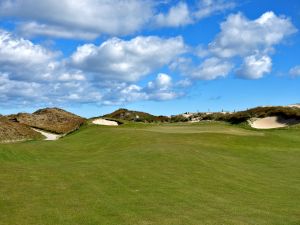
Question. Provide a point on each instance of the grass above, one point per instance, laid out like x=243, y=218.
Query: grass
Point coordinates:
x=208, y=173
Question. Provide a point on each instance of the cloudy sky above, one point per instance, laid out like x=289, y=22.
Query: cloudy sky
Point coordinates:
x=160, y=56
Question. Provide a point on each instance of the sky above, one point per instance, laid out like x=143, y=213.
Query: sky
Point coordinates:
x=160, y=56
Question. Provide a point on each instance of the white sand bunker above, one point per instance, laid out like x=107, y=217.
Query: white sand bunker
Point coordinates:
x=48, y=136
x=105, y=122
x=271, y=122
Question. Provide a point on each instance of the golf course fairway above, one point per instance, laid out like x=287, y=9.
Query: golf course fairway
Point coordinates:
x=137, y=174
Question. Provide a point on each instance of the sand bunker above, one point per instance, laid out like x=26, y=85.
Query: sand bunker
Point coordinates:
x=271, y=122
x=48, y=136
x=105, y=122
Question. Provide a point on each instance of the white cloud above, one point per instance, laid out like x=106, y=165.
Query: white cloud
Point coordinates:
x=184, y=83
x=23, y=60
x=252, y=40
x=211, y=68
x=32, y=75
x=162, y=88
x=17, y=90
x=183, y=13
x=88, y=19
x=129, y=61
x=108, y=73
x=295, y=71
x=31, y=29
x=20, y=93
x=114, y=17
x=67, y=76
x=255, y=67
x=207, y=8
x=162, y=82
x=240, y=36
x=178, y=15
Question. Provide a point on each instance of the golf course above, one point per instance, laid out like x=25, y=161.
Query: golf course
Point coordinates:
x=206, y=173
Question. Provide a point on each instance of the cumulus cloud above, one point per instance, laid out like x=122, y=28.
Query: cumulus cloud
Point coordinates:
x=295, y=71
x=160, y=89
x=23, y=60
x=253, y=41
x=18, y=93
x=31, y=29
x=95, y=17
x=11, y=90
x=207, y=8
x=178, y=15
x=105, y=74
x=210, y=69
x=240, y=36
x=110, y=73
x=88, y=19
x=31, y=74
x=207, y=69
x=67, y=76
x=128, y=61
x=163, y=82
x=255, y=67
x=183, y=14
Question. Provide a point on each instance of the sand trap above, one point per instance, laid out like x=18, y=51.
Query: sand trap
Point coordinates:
x=48, y=136
x=105, y=122
x=270, y=122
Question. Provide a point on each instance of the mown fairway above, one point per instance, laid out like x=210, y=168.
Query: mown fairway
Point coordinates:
x=210, y=173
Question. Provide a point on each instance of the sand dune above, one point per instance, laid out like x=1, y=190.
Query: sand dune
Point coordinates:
x=295, y=105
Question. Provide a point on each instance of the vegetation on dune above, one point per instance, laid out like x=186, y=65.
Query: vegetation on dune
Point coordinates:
x=258, y=112
x=234, y=118
x=62, y=122
x=136, y=116
x=11, y=131
x=208, y=173
x=50, y=119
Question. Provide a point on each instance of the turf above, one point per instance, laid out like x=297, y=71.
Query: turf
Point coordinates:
x=209, y=173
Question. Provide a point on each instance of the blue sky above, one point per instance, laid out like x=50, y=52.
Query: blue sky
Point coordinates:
x=164, y=57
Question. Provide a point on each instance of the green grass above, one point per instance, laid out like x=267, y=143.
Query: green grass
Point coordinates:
x=209, y=173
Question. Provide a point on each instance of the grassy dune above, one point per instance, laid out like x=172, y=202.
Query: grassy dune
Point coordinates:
x=209, y=173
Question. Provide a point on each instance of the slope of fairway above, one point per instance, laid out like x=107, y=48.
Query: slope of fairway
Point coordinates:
x=132, y=175
x=206, y=127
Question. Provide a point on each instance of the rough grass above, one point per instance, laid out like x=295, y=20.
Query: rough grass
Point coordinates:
x=130, y=175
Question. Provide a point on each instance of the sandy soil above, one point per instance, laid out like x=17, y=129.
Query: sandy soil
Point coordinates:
x=105, y=122
x=268, y=122
x=48, y=136
x=295, y=106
